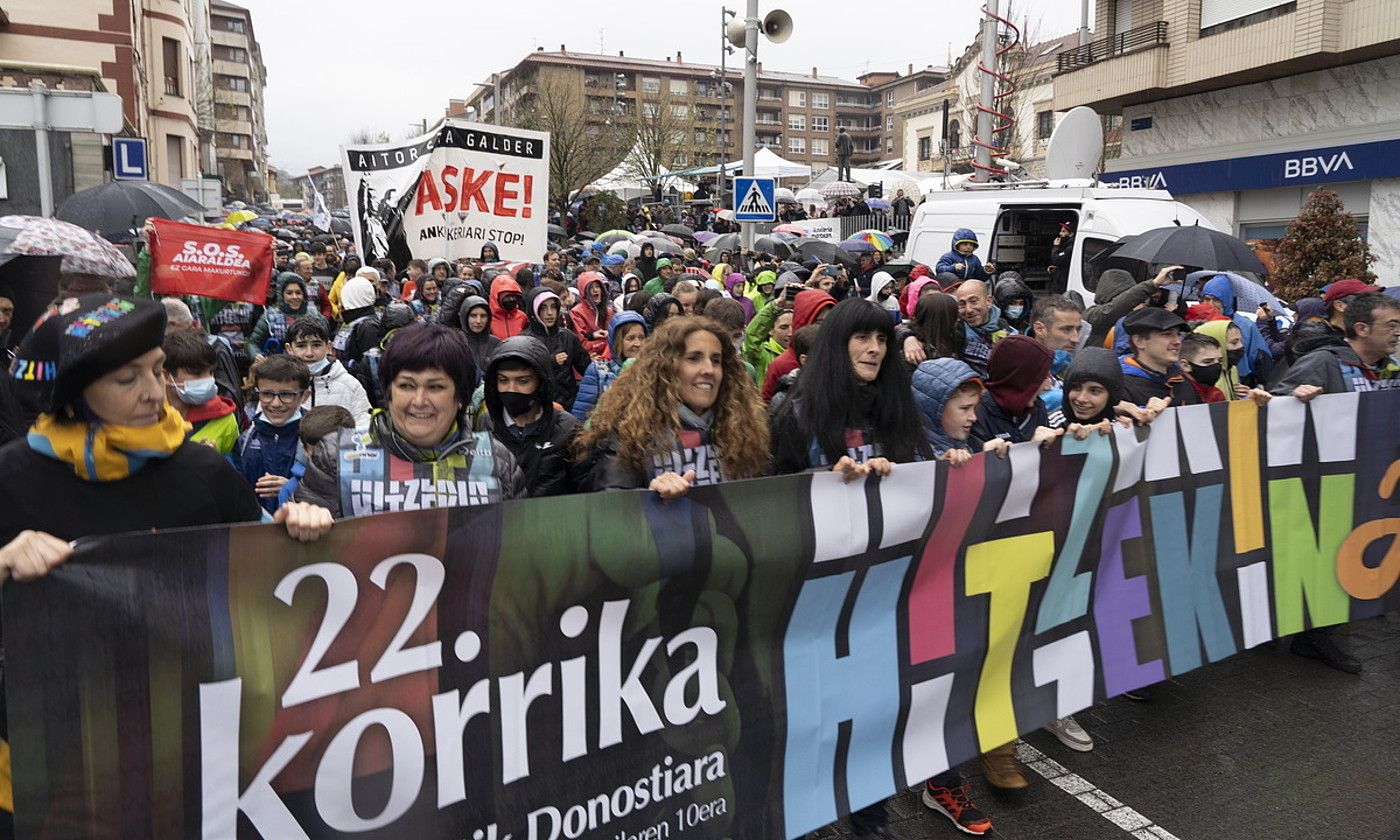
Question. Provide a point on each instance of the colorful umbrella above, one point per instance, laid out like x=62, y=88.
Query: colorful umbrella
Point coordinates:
x=238, y=217
x=83, y=251
x=878, y=238
x=790, y=229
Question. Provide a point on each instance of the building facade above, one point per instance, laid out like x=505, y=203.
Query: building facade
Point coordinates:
x=1242, y=108
x=156, y=55
x=798, y=113
x=330, y=180
x=239, y=78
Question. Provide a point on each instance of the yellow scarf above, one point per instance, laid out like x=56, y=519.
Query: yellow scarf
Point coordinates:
x=107, y=452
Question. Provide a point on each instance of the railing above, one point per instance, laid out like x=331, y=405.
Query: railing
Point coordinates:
x=1133, y=40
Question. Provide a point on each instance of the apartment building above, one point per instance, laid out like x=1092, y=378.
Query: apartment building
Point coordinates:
x=798, y=113
x=142, y=52
x=330, y=180
x=1243, y=107
x=239, y=78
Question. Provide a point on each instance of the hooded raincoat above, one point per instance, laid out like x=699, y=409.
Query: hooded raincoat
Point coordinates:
x=274, y=321
x=805, y=310
x=601, y=374
x=507, y=322
x=934, y=382
x=542, y=447
x=972, y=268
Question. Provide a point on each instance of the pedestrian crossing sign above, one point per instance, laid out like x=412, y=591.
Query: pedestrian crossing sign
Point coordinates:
x=755, y=200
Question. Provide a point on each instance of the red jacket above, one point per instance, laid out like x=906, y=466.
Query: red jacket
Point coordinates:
x=805, y=309
x=506, y=324
x=588, y=320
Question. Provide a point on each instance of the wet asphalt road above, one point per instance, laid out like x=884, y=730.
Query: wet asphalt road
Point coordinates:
x=1264, y=745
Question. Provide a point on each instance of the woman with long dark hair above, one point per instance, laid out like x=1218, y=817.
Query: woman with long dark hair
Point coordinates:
x=852, y=410
x=936, y=325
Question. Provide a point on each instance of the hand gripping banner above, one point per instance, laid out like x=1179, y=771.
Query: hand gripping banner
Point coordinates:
x=751, y=661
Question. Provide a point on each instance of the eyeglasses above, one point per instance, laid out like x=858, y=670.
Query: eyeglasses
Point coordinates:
x=280, y=396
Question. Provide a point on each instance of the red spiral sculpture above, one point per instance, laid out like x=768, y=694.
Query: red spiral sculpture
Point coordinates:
x=1002, y=119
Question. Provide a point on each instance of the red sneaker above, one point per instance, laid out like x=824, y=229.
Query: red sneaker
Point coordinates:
x=954, y=804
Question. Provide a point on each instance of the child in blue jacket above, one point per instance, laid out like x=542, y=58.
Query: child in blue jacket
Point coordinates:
x=962, y=262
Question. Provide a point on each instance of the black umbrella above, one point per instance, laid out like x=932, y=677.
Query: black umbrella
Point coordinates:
x=1192, y=245
x=725, y=242
x=340, y=226
x=773, y=245
x=557, y=232
x=679, y=230
x=826, y=252
x=117, y=209
x=285, y=234
x=585, y=234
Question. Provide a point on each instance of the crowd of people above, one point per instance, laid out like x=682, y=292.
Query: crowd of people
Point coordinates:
x=363, y=389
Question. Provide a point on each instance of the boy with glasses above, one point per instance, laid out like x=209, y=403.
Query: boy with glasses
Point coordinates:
x=267, y=451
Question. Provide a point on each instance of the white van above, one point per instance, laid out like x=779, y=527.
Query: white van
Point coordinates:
x=1016, y=224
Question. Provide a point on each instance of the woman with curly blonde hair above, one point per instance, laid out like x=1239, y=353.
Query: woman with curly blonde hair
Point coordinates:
x=684, y=413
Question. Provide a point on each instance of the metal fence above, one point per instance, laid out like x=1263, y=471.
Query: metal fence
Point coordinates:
x=1124, y=42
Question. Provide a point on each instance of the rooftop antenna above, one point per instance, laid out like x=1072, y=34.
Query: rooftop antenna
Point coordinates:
x=602, y=50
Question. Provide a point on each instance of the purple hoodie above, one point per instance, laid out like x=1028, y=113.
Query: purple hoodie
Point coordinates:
x=735, y=284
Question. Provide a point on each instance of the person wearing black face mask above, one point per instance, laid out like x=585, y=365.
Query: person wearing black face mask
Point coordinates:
x=521, y=415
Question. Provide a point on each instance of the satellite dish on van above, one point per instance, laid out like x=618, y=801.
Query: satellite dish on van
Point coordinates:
x=1076, y=146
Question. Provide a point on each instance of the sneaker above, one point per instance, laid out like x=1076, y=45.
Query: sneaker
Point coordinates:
x=954, y=804
x=1320, y=646
x=1071, y=734
x=1142, y=695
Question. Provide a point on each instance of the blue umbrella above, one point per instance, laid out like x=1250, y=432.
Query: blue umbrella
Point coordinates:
x=857, y=246
x=261, y=222
x=1248, y=294
x=877, y=204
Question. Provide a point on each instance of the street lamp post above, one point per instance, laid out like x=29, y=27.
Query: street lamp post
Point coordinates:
x=724, y=50
x=751, y=24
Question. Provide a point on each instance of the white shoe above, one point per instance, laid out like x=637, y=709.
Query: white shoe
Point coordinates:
x=1071, y=734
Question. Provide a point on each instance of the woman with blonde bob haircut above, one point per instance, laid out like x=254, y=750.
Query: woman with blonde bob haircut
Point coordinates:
x=684, y=413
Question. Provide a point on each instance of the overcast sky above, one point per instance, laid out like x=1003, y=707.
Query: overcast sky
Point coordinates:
x=335, y=66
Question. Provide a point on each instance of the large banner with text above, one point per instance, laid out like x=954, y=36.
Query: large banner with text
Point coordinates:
x=751, y=661
x=449, y=192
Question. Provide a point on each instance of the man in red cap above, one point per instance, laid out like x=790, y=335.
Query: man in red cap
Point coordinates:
x=1337, y=296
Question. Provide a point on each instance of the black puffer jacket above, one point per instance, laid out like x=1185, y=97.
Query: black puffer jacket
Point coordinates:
x=543, y=449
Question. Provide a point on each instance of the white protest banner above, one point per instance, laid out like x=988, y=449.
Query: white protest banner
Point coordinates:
x=448, y=192
x=826, y=230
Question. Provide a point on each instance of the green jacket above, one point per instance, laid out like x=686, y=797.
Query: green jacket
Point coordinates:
x=759, y=348
x=655, y=285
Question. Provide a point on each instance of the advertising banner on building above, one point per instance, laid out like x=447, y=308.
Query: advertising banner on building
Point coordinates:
x=749, y=661
x=210, y=262
x=448, y=192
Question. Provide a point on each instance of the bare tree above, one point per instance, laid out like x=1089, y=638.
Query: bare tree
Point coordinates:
x=365, y=136
x=662, y=132
x=584, y=139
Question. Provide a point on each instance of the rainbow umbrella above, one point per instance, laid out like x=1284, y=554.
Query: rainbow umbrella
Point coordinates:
x=878, y=238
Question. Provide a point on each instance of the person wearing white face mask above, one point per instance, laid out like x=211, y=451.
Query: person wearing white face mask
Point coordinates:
x=331, y=383
x=191, y=390
x=1015, y=299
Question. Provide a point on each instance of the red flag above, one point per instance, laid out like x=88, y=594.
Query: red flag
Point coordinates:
x=210, y=262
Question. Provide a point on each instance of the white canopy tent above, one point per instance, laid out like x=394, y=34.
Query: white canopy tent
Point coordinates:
x=626, y=184
x=766, y=164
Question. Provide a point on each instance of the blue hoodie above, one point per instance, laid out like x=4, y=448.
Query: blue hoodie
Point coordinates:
x=934, y=382
x=267, y=449
x=972, y=264
x=1220, y=287
x=600, y=375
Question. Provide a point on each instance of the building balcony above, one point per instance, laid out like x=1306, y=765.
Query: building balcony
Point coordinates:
x=231, y=153
x=231, y=68
x=224, y=96
x=233, y=127
x=225, y=38
x=1109, y=71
